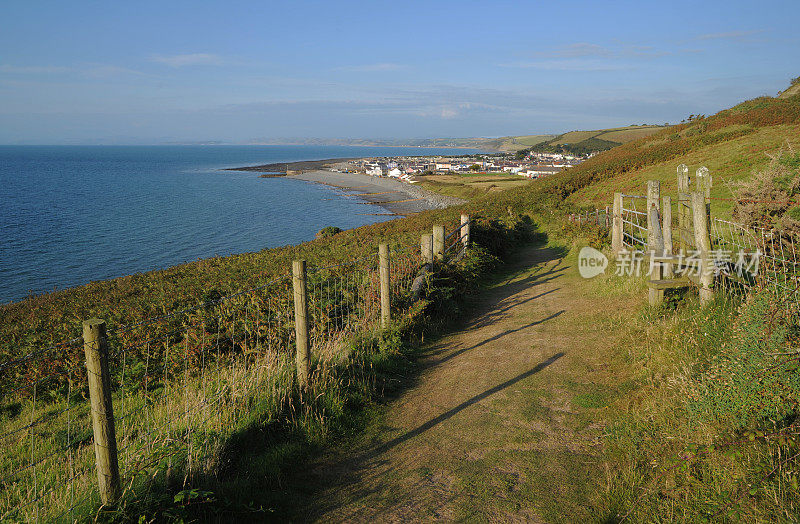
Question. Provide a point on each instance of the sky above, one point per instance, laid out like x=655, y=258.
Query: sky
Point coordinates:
x=143, y=72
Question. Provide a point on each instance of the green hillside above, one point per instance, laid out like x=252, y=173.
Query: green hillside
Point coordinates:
x=659, y=458
x=578, y=141
x=732, y=144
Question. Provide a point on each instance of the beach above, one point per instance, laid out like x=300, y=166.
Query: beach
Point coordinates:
x=394, y=196
x=400, y=198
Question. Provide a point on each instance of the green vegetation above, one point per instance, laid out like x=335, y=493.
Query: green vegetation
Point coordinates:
x=706, y=429
x=329, y=231
x=709, y=430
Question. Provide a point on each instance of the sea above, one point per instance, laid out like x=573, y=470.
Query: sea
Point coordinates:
x=70, y=215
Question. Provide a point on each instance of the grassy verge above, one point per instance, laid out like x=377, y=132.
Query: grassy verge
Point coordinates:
x=185, y=457
x=707, y=429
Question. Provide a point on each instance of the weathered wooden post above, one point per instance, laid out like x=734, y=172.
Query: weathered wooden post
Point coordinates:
x=95, y=347
x=616, y=225
x=465, y=230
x=704, y=186
x=703, y=243
x=683, y=195
x=303, y=355
x=703, y=181
x=666, y=230
x=386, y=304
x=426, y=248
x=655, y=296
x=438, y=242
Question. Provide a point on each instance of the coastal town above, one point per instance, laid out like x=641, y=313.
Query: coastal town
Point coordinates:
x=532, y=165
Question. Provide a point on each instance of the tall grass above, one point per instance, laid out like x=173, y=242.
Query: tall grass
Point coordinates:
x=710, y=433
x=192, y=388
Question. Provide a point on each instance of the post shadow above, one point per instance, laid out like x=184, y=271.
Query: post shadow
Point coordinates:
x=490, y=339
x=383, y=448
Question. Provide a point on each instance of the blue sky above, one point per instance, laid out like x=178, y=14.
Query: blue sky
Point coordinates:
x=156, y=72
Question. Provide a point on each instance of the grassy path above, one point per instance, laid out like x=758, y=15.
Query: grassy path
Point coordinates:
x=503, y=422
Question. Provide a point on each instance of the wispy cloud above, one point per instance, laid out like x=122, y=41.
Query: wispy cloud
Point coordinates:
x=35, y=70
x=367, y=68
x=644, y=51
x=585, y=56
x=577, y=50
x=88, y=70
x=567, y=65
x=739, y=36
x=191, y=59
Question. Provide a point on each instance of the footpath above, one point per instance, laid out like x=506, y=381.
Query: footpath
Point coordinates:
x=505, y=419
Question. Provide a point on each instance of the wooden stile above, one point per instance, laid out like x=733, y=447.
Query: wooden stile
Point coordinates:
x=655, y=296
x=703, y=243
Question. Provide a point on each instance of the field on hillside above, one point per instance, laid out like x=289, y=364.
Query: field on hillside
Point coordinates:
x=529, y=140
x=628, y=134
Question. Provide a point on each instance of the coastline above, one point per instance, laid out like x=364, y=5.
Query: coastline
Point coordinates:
x=281, y=168
x=397, y=197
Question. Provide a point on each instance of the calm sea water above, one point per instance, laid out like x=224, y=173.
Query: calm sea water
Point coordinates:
x=73, y=214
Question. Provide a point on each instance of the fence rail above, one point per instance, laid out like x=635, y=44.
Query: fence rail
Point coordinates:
x=673, y=240
x=179, y=384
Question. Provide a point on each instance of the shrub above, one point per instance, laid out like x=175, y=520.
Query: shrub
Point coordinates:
x=768, y=198
x=753, y=381
x=328, y=231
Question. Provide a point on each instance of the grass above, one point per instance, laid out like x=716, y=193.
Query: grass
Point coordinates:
x=192, y=407
x=531, y=140
x=674, y=456
x=629, y=134
x=673, y=408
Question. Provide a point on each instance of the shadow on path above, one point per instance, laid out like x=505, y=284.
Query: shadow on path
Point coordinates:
x=383, y=448
x=490, y=339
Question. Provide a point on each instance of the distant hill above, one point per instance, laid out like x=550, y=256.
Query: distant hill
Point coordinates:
x=580, y=142
x=733, y=144
x=597, y=140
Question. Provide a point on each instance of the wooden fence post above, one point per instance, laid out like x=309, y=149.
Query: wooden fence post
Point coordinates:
x=704, y=186
x=95, y=347
x=386, y=304
x=616, y=226
x=438, y=242
x=303, y=355
x=465, y=230
x=683, y=221
x=666, y=230
x=703, y=242
x=655, y=296
x=426, y=248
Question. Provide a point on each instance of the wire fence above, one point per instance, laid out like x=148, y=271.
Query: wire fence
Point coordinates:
x=743, y=257
x=598, y=217
x=181, y=384
x=633, y=215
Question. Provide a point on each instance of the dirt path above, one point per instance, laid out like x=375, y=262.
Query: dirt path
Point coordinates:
x=503, y=422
